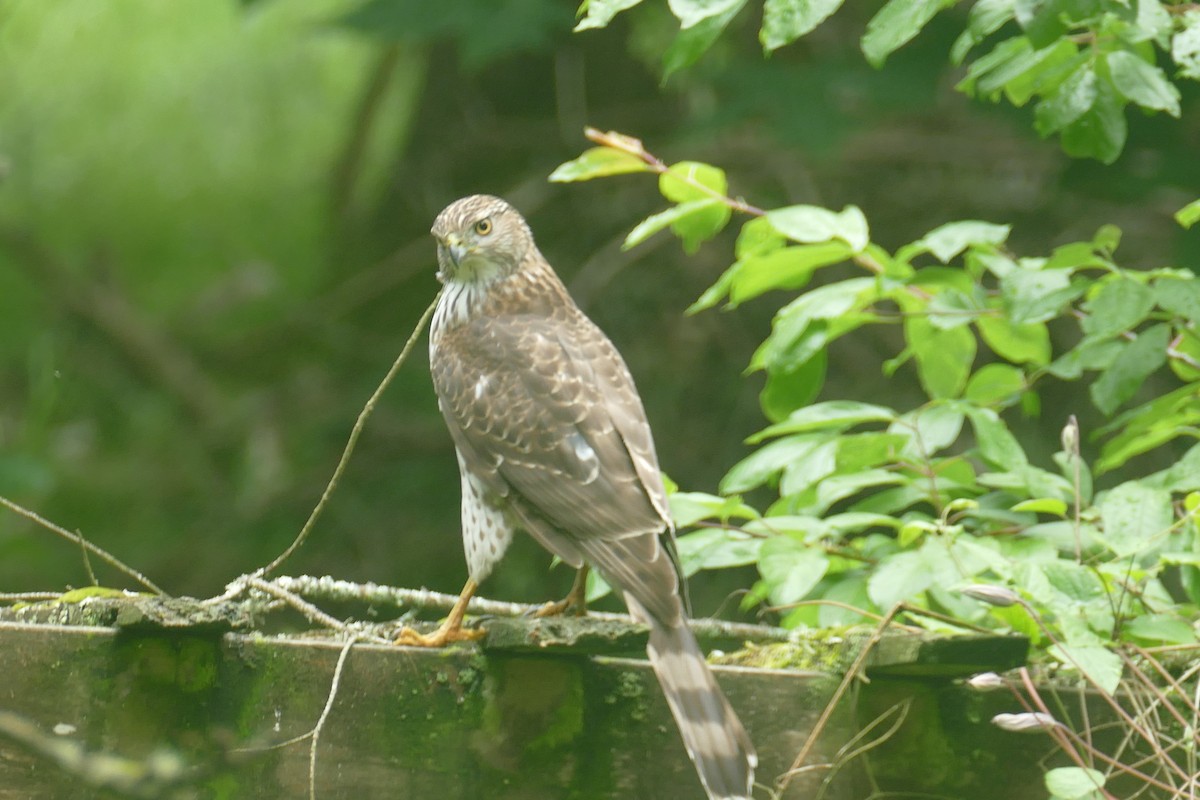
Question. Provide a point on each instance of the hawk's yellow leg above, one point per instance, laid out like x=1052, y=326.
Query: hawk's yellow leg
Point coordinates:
x=451, y=630
x=575, y=601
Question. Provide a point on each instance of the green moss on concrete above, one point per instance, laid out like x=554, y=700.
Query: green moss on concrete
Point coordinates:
x=818, y=651
x=533, y=705
x=631, y=692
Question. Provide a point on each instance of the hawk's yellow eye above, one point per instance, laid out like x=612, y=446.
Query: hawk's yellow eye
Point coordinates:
x=484, y=226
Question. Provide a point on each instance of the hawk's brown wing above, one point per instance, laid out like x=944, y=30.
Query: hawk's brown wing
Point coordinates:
x=544, y=407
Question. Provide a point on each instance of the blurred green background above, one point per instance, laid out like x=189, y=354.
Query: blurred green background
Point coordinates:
x=213, y=242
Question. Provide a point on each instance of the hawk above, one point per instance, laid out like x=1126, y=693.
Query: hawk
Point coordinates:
x=552, y=439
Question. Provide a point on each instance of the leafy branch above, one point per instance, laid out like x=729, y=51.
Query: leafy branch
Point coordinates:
x=1083, y=63
x=878, y=505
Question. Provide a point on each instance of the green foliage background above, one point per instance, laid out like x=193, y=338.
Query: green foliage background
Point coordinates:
x=213, y=241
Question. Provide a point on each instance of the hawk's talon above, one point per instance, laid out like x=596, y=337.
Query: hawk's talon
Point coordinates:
x=558, y=608
x=575, y=601
x=409, y=637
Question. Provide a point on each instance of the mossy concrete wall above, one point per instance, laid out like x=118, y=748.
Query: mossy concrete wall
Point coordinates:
x=464, y=722
x=405, y=723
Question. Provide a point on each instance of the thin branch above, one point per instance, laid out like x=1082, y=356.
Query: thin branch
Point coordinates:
x=28, y=597
x=851, y=675
x=87, y=562
x=310, y=611
x=76, y=538
x=316, y=731
x=329, y=589
x=352, y=441
x=845, y=754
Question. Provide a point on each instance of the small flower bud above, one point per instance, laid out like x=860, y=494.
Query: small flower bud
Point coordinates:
x=1070, y=436
x=986, y=682
x=1029, y=722
x=992, y=595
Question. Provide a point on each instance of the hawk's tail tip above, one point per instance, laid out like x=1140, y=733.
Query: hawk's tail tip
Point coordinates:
x=713, y=734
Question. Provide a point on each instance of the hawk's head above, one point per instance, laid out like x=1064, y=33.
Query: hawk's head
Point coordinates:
x=479, y=238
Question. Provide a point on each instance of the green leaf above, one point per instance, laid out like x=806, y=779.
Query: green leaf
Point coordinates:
x=895, y=25
x=1100, y=132
x=839, y=487
x=800, y=476
x=691, y=180
x=1070, y=583
x=1182, y=476
x=780, y=353
x=866, y=450
x=601, y=12
x=995, y=442
x=758, y=237
x=598, y=162
x=691, y=12
x=716, y=548
x=1189, y=215
x=1021, y=344
x=1103, y=667
x=995, y=383
x=790, y=569
x=1150, y=425
x=831, y=414
x=933, y=428
x=986, y=17
x=656, y=222
x=1037, y=295
x=785, y=21
x=792, y=386
x=1051, y=65
x=812, y=224
x=1160, y=629
x=1152, y=23
x=1185, y=46
x=1073, y=783
x=785, y=268
x=767, y=462
x=1043, y=505
x=692, y=42
x=951, y=308
x=849, y=591
x=947, y=241
x=1120, y=305
x=1144, y=84
x=1018, y=77
x=899, y=577
x=1135, y=517
x=1130, y=368
x=688, y=508
x=1180, y=296
x=1067, y=103
x=1006, y=51
x=944, y=357
x=1086, y=356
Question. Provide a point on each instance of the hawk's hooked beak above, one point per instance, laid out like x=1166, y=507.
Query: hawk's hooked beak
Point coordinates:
x=454, y=248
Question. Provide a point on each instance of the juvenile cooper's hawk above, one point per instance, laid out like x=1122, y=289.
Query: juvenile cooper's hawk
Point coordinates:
x=552, y=439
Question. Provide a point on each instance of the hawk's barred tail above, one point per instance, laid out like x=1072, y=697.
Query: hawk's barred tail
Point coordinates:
x=711, y=731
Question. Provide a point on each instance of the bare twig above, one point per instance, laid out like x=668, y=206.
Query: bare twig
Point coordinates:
x=851, y=675
x=316, y=731
x=87, y=562
x=314, y=735
x=328, y=588
x=76, y=538
x=852, y=749
x=310, y=611
x=352, y=441
x=28, y=597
